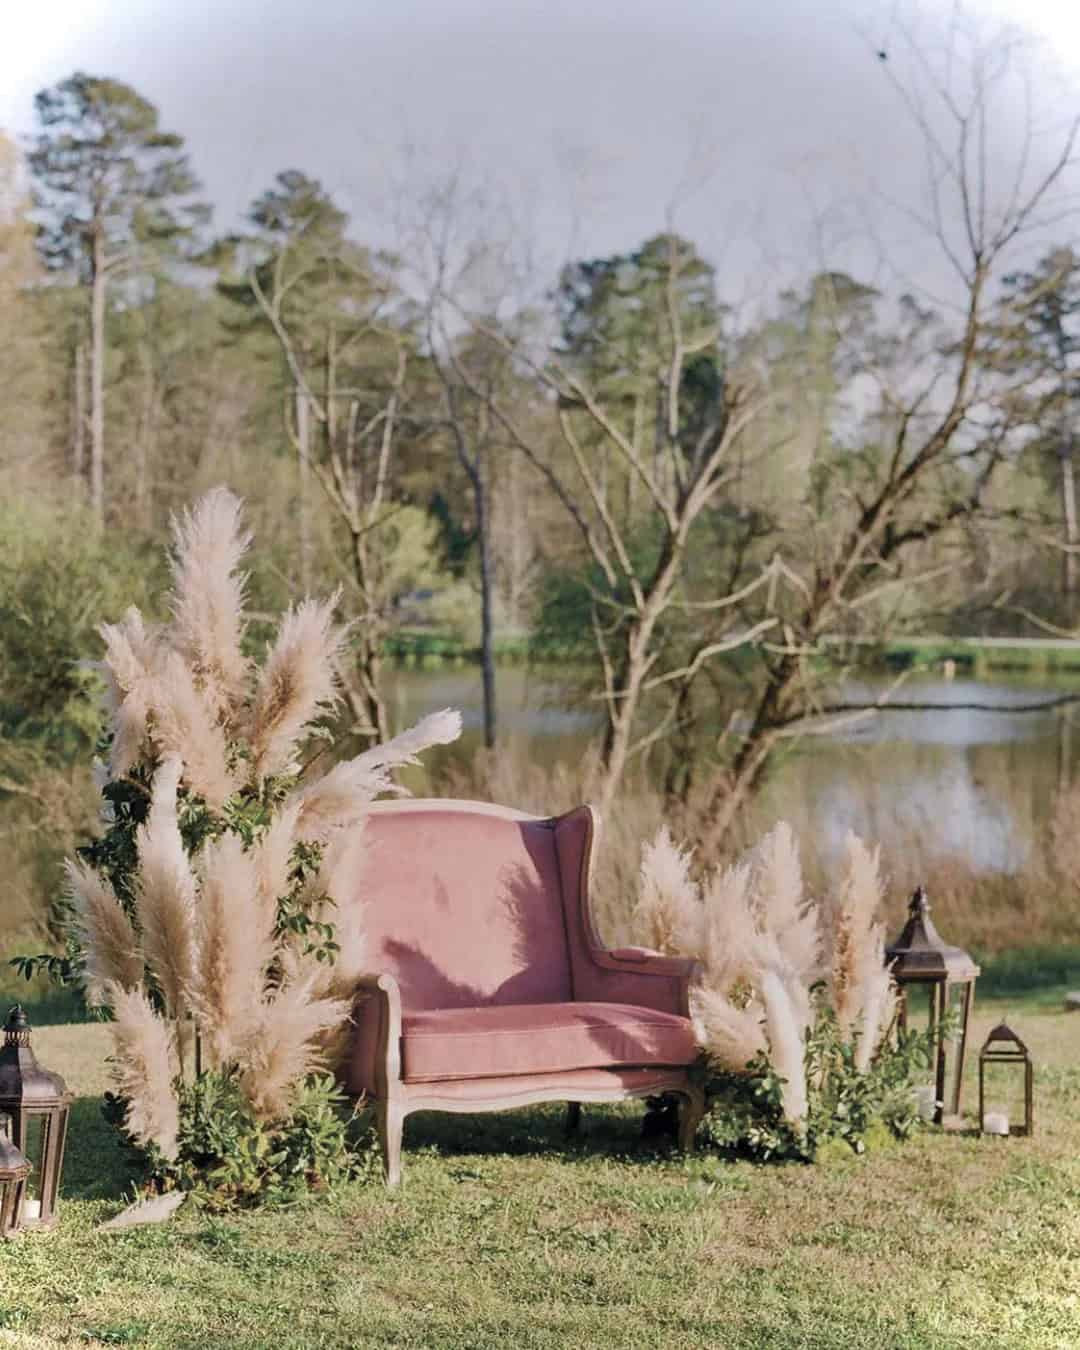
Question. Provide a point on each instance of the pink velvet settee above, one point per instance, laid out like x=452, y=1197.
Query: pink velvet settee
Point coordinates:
x=489, y=987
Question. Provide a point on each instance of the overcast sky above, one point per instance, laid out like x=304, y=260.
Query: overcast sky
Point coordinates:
x=768, y=124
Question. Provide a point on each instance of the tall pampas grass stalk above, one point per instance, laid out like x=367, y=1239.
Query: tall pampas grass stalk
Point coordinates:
x=669, y=915
x=144, y=1067
x=165, y=893
x=223, y=900
x=296, y=684
x=104, y=931
x=861, y=988
x=208, y=598
x=234, y=949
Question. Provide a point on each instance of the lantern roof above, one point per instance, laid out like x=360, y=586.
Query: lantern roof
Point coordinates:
x=1004, y=1035
x=920, y=952
x=23, y=1082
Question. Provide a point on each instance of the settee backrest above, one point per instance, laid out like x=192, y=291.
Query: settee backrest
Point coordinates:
x=464, y=904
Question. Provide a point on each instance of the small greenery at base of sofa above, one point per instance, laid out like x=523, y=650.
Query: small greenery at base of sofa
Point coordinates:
x=229, y=1159
x=852, y=1107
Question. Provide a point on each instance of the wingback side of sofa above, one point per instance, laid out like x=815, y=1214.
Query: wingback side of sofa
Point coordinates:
x=463, y=905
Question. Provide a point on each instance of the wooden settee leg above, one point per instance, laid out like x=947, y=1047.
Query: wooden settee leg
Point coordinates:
x=391, y=1122
x=690, y=1117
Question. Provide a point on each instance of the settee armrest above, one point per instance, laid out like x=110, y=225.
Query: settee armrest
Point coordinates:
x=638, y=976
x=373, y=1066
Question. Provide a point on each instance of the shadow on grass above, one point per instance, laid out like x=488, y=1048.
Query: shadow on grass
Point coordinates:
x=96, y=1165
x=613, y=1131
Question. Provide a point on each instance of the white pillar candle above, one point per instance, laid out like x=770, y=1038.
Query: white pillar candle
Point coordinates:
x=995, y=1122
x=31, y=1210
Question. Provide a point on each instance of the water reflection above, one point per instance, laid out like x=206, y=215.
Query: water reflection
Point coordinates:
x=956, y=779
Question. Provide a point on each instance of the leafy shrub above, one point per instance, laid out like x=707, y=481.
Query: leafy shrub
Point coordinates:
x=229, y=1158
x=845, y=1103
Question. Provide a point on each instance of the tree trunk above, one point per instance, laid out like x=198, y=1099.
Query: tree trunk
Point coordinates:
x=78, y=419
x=98, y=283
x=1068, y=507
x=487, y=624
x=369, y=708
x=303, y=505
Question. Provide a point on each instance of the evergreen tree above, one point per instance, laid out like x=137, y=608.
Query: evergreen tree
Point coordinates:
x=115, y=197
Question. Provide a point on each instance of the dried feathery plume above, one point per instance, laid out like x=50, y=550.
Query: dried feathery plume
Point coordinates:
x=860, y=984
x=143, y=1068
x=341, y=797
x=730, y=1036
x=852, y=930
x=295, y=685
x=133, y=658
x=787, y=1019
x=208, y=598
x=284, y=1049
x=273, y=859
x=730, y=929
x=184, y=725
x=669, y=915
x=165, y=891
x=104, y=931
x=339, y=878
x=234, y=948
x=780, y=905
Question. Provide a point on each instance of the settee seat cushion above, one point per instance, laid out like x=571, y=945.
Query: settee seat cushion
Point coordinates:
x=496, y=1040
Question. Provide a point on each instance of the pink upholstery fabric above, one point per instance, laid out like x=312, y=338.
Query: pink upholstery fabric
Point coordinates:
x=465, y=909
x=590, y=980
x=527, y=1038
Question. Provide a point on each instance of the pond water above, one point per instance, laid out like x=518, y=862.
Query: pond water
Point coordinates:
x=977, y=782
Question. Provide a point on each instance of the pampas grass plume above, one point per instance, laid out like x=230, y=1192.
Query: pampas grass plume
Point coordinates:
x=731, y=1036
x=165, y=892
x=143, y=1068
x=208, y=598
x=133, y=656
x=669, y=916
x=185, y=726
x=104, y=930
x=781, y=905
x=234, y=948
x=295, y=685
x=341, y=797
x=285, y=1049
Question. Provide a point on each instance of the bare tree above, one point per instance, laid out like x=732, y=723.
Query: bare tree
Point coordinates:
x=944, y=433
x=677, y=479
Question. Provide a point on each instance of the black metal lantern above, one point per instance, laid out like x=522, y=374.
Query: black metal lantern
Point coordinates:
x=14, y=1169
x=1004, y=1046
x=919, y=956
x=38, y=1103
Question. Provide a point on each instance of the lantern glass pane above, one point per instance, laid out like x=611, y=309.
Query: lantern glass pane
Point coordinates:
x=956, y=1049
x=1003, y=1092
x=918, y=1005
x=33, y=1147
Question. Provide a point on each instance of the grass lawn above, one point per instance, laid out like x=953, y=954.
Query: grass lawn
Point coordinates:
x=505, y=1236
